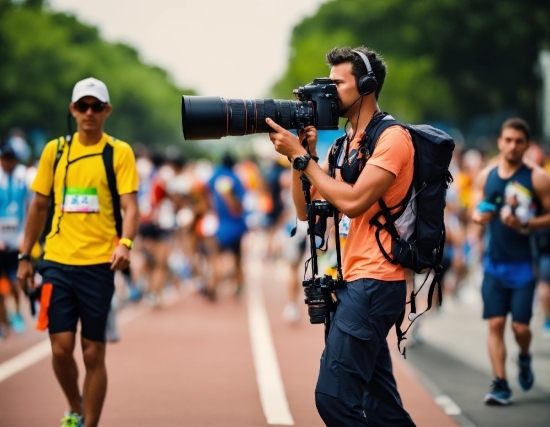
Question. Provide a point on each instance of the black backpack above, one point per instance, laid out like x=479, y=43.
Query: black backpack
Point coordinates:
x=421, y=246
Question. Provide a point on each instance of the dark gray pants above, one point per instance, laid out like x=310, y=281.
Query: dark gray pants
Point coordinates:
x=356, y=386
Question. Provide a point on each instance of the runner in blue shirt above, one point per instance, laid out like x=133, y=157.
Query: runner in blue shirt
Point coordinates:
x=228, y=194
x=14, y=197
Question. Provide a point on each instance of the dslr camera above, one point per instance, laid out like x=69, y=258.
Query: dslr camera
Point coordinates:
x=319, y=290
x=212, y=117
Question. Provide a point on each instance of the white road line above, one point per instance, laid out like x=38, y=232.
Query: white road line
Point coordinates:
x=23, y=360
x=448, y=405
x=43, y=349
x=268, y=375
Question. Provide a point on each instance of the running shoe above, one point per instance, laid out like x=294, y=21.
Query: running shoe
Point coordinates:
x=134, y=294
x=17, y=323
x=525, y=376
x=72, y=419
x=500, y=393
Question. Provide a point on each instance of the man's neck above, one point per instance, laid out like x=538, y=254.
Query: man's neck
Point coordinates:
x=507, y=169
x=89, y=138
x=361, y=119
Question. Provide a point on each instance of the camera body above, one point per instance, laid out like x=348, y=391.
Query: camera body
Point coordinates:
x=323, y=97
x=318, y=292
x=211, y=117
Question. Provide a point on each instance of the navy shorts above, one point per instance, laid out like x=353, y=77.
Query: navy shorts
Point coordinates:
x=499, y=300
x=79, y=292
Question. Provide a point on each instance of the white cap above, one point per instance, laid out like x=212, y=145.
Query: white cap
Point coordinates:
x=90, y=87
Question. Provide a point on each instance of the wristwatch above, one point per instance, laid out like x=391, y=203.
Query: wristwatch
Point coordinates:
x=23, y=257
x=300, y=162
x=126, y=242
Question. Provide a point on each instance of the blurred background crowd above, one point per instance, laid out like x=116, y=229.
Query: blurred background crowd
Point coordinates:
x=201, y=218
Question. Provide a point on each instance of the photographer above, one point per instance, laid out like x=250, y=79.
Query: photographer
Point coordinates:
x=356, y=386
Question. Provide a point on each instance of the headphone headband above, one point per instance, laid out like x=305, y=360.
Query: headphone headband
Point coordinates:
x=365, y=60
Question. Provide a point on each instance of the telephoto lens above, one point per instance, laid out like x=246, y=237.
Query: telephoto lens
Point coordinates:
x=213, y=117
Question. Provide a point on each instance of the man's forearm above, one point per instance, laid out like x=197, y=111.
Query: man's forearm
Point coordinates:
x=130, y=222
x=35, y=224
x=298, y=195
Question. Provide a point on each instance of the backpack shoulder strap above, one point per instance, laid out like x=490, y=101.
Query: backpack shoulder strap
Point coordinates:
x=60, y=147
x=51, y=204
x=375, y=128
x=335, y=152
x=108, y=161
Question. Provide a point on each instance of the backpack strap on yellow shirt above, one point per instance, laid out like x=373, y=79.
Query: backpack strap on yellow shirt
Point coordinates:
x=109, y=163
x=51, y=205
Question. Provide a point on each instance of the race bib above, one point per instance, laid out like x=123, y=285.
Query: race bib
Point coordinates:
x=83, y=200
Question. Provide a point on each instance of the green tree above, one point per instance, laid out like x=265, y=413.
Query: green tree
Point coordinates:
x=456, y=61
x=45, y=53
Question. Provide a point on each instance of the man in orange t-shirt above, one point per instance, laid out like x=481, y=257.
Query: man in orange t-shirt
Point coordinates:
x=356, y=386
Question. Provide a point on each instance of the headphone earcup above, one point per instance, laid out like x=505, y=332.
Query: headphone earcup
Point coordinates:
x=366, y=84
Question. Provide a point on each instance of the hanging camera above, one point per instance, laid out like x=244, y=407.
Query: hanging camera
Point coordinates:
x=319, y=291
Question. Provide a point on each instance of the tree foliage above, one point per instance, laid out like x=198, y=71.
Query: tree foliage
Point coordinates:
x=43, y=54
x=457, y=61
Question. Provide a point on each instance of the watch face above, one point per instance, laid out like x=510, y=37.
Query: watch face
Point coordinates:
x=300, y=163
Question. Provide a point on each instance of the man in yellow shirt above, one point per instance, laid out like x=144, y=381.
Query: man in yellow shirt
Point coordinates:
x=82, y=248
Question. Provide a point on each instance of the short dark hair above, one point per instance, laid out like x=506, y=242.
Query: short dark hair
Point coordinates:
x=341, y=55
x=518, y=124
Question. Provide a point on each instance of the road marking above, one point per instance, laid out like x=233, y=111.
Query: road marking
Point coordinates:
x=448, y=405
x=268, y=375
x=23, y=360
x=43, y=349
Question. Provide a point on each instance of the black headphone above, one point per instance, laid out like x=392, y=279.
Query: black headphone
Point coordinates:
x=366, y=83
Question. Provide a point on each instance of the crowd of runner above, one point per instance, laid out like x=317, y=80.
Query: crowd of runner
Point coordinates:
x=196, y=217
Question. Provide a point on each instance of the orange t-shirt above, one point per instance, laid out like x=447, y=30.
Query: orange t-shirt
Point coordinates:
x=362, y=257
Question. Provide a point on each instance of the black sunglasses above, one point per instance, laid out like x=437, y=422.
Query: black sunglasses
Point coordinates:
x=97, y=107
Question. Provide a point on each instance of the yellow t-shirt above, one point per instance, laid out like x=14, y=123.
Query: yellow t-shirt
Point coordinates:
x=362, y=257
x=83, y=232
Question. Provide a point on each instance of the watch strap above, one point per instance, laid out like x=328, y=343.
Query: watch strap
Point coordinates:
x=297, y=163
x=23, y=257
x=126, y=242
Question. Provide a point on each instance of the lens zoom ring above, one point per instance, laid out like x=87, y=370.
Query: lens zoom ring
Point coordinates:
x=266, y=109
x=237, y=117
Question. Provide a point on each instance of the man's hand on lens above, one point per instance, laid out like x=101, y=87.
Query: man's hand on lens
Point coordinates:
x=285, y=142
x=121, y=258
